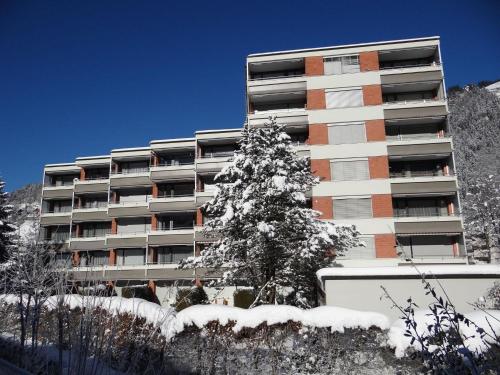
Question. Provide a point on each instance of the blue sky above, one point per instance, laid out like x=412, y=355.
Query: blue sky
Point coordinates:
x=79, y=78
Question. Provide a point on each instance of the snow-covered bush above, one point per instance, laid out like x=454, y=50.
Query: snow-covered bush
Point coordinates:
x=266, y=236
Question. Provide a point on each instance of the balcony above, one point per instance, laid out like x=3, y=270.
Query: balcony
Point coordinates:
x=60, y=216
x=436, y=146
x=276, y=69
x=174, y=170
x=171, y=236
x=91, y=213
x=135, y=272
x=204, y=196
x=130, y=177
x=213, y=162
x=130, y=206
x=89, y=241
x=96, y=184
x=409, y=58
x=127, y=239
x=200, y=236
x=180, y=202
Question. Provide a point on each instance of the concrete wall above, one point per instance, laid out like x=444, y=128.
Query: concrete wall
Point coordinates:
x=365, y=294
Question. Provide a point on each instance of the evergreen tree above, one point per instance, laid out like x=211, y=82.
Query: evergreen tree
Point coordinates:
x=5, y=227
x=266, y=236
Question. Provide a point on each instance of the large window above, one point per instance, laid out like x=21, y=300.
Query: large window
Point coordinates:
x=350, y=170
x=361, y=252
x=352, y=208
x=344, y=98
x=418, y=207
x=174, y=254
x=426, y=246
x=130, y=257
x=134, y=225
x=346, y=133
x=96, y=229
x=176, y=221
x=134, y=167
x=341, y=64
x=94, y=258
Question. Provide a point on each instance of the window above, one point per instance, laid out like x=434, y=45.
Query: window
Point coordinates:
x=346, y=133
x=426, y=246
x=96, y=229
x=134, y=225
x=134, y=167
x=176, y=221
x=174, y=254
x=131, y=257
x=350, y=170
x=344, y=98
x=94, y=258
x=341, y=64
x=361, y=252
x=352, y=208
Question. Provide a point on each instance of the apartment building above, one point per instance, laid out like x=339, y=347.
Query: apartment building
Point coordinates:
x=371, y=117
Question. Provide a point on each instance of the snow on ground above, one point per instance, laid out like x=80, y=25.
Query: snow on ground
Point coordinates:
x=489, y=320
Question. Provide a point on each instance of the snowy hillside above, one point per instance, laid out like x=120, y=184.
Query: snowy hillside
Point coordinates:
x=26, y=209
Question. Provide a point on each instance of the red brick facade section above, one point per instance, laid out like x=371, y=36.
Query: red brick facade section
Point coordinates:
x=379, y=166
x=152, y=286
x=76, y=259
x=316, y=99
x=323, y=205
x=368, y=61
x=382, y=205
x=372, y=95
x=154, y=222
x=385, y=245
x=199, y=217
x=318, y=134
x=375, y=130
x=82, y=174
x=314, y=66
x=114, y=226
x=112, y=257
x=154, y=191
x=321, y=168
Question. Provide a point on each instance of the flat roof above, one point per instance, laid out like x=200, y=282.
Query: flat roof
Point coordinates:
x=219, y=131
x=61, y=165
x=172, y=140
x=93, y=157
x=131, y=149
x=344, y=46
x=408, y=271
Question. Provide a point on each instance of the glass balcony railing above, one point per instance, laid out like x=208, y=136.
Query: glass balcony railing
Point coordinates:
x=422, y=212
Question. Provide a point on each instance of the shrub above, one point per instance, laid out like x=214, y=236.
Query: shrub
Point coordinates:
x=244, y=298
x=190, y=296
x=142, y=292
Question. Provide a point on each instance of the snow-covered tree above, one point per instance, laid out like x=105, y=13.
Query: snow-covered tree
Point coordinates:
x=6, y=228
x=266, y=236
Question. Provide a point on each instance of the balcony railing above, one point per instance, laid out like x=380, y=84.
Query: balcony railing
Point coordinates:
x=95, y=178
x=291, y=109
x=411, y=174
x=94, y=234
x=404, y=66
x=131, y=171
x=137, y=201
x=175, y=195
x=90, y=206
x=57, y=238
x=174, y=227
x=415, y=136
x=174, y=163
x=211, y=155
x=422, y=212
x=278, y=76
x=412, y=101
x=57, y=211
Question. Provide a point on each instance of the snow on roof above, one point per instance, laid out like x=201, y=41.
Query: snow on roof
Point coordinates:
x=469, y=270
x=493, y=87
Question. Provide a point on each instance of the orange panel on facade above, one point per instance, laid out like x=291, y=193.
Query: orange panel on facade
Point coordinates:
x=382, y=205
x=372, y=95
x=375, y=130
x=321, y=168
x=323, y=205
x=314, y=66
x=379, y=166
x=316, y=99
x=368, y=61
x=385, y=245
x=318, y=134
